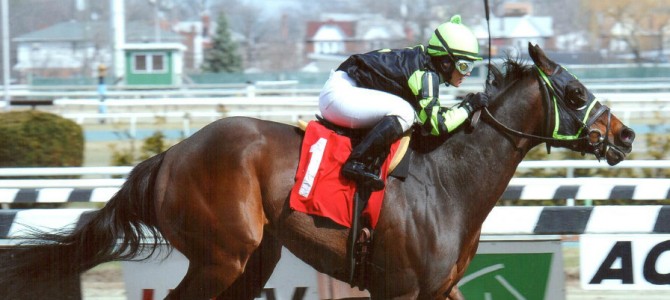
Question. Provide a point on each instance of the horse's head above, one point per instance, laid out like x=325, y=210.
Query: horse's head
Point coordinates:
x=576, y=119
x=573, y=118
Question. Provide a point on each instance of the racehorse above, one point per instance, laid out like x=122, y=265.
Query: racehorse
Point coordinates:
x=220, y=197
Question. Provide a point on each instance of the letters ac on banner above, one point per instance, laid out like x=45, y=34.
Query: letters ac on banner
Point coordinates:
x=625, y=262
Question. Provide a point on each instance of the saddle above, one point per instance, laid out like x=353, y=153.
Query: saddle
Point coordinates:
x=362, y=233
x=399, y=166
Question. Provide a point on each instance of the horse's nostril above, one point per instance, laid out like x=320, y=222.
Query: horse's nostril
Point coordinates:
x=627, y=136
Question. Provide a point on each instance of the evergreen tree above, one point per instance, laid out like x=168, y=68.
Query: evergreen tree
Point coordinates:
x=223, y=56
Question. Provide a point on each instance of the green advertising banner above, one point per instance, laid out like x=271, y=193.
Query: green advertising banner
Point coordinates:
x=515, y=268
x=507, y=276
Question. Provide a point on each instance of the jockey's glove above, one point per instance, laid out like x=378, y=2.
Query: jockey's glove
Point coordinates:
x=474, y=102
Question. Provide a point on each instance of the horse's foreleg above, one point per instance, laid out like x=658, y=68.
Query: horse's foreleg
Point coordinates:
x=466, y=256
x=455, y=294
x=260, y=266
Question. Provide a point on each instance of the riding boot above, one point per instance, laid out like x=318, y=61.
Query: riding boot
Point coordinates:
x=359, y=165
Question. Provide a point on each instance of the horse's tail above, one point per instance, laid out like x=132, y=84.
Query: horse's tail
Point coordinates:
x=119, y=231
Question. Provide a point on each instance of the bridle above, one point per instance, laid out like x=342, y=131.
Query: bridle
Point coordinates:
x=588, y=139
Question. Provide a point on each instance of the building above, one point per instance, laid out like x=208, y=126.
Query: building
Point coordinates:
x=74, y=49
x=197, y=36
x=513, y=29
x=154, y=63
x=329, y=40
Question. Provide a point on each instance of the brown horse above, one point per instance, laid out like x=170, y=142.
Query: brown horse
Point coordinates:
x=221, y=198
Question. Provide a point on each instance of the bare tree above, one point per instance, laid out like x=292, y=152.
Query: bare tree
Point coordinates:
x=640, y=24
x=270, y=37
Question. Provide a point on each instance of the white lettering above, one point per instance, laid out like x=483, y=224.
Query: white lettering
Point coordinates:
x=317, y=151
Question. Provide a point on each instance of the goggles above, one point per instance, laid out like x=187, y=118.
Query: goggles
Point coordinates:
x=464, y=66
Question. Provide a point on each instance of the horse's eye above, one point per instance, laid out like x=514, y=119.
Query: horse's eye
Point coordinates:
x=575, y=95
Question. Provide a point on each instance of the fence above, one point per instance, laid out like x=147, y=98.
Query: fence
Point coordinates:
x=520, y=229
x=192, y=113
x=568, y=165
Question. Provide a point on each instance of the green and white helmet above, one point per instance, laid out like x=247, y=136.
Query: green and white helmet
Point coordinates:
x=454, y=39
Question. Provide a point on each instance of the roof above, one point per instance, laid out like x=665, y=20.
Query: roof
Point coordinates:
x=154, y=46
x=516, y=27
x=345, y=27
x=73, y=31
x=380, y=29
x=371, y=28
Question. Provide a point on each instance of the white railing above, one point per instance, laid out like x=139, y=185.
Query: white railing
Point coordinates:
x=627, y=106
x=277, y=110
x=590, y=188
x=571, y=165
x=59, y=183
x=188, y=117
x=530, y=181
x=568, y=165
x=283, y=98
x=66, y=171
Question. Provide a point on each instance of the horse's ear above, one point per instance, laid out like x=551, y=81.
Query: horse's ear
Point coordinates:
x=541, y=60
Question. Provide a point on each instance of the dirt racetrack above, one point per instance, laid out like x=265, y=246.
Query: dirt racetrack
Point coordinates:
x=105, y=282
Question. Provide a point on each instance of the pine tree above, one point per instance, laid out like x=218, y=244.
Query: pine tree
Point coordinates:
x=223, y=56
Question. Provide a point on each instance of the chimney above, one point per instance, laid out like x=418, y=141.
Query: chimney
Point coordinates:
x=517, y=9
x=284, y=27
x=206, y=23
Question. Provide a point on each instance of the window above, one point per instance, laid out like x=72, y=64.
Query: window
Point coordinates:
x=157, y=63
x=149, y=63
x=141, y=63
x=329, y=47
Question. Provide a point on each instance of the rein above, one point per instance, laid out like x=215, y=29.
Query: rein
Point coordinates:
x=594, y=137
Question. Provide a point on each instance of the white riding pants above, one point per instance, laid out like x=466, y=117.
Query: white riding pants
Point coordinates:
x=347, y=105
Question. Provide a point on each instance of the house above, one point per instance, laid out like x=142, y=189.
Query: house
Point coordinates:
x=330, y=37
x=153, y=63
x=513, y=28
x=197, y=36
x=335, y=36
x=75, y=49
x=511, y=34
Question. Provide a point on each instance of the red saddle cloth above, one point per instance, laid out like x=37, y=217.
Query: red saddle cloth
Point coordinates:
x=319, y=189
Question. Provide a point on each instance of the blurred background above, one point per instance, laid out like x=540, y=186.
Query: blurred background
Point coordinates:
x=100, y=83
x=67, y=40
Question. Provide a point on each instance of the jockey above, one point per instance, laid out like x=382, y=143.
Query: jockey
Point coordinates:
x=389, y=90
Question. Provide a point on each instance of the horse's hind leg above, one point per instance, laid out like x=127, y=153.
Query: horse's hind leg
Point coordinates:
x=198, y=283
x=217, y=229
x=260, y=266
x=209, y=275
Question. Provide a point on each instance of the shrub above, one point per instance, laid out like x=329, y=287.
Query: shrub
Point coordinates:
x=151, y=146
x=39, y=139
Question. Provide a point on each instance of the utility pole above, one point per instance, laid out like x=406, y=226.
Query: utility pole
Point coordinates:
x=5, y=54
x=118, y=19
x=157, y=22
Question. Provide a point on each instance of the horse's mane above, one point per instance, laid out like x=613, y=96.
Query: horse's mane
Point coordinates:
x=514, y=68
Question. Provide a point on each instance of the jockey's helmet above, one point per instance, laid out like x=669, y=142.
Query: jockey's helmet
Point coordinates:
x=455, y=40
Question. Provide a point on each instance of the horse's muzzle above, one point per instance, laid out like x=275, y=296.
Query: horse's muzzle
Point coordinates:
x=622, y=146
x=627, y=137
x=614, y=156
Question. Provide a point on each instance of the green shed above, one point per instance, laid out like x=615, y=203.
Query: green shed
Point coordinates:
x=154, y=63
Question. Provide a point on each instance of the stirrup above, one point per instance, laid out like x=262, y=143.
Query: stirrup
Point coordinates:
x=358, y=172
x=362, y=257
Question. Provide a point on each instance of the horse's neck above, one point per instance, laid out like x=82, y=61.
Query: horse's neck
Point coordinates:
x=485, y=161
